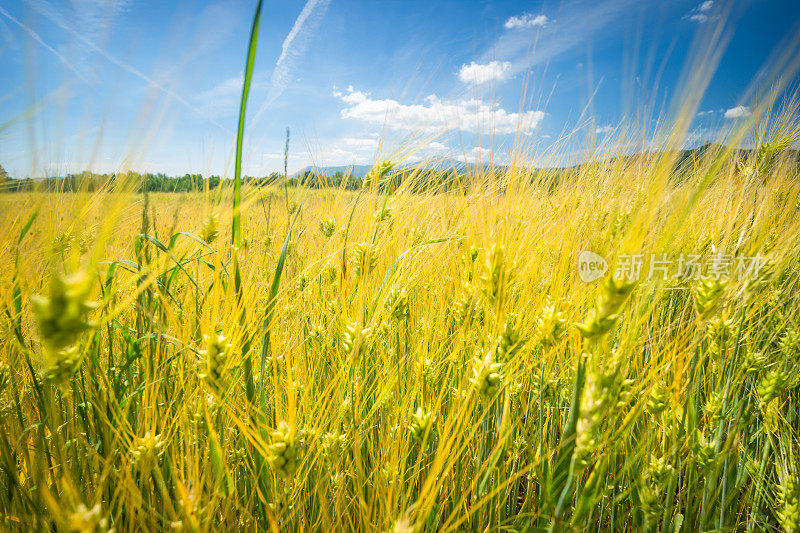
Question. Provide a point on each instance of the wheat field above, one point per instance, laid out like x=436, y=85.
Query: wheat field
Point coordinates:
x=613, y=346
x=411, y=360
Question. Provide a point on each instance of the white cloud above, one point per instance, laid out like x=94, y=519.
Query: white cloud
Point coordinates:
x=481, y=153
x=436, y=115
x=740, y=111
x=526, y=21
x=603, y=130
x=476, y=155
x=703, y=113
x=481, y=73
x=701, y=13
x=430, y=152
x=360, y=144
x=436, y=146
x=295, y=44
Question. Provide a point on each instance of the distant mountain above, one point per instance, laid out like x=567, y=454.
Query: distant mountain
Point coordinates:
x=683, y=157
x=358, y=171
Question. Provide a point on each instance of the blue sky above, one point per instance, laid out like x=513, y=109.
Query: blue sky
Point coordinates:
x=154, y=85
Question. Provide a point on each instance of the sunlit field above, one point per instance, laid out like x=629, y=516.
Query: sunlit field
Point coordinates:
x=608, y=346
x=428, y=361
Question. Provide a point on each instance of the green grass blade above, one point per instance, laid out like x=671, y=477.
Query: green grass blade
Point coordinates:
x=236, y=234
x=273, y=295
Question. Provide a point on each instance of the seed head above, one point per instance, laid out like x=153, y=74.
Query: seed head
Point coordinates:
x=658, y=401
x=708, y=296
x=397, y=304
x=494, y=273
x=301, y=283
x=210, y=230
x=383, y=214
x=327, y=226
x=377, y=173
x=62, y=316
x=216, y=358
x=465, y=307
x=487, y=376
x=713, y=408
x=330, y=271
x=316, y=335
x=60, y=366
x=354, y=335
x=652, y=503
x=364, y=259
x=603, y=317
x=147, y=450
x=421, y=424
x=62, y=242
x=754, y=362
x=703, y=450
x=550, y=326
x=613, y=296
x=772, y=385
x=789, y=343
x=660, y=471
x=789, y=503
x=333, y=444
x=86, y=520
x=285, y=450
x=509, y=342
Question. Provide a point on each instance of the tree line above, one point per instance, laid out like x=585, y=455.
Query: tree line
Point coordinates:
x=147, y=182
x=416, y=179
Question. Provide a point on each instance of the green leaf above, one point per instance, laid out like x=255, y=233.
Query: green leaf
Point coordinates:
x=27, y=226
x=236, y=234
x=273, y=296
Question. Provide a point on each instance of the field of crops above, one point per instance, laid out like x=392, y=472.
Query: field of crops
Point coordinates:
x=412, y=361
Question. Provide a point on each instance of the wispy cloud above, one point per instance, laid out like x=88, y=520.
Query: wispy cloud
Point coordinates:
x=437, y=115
x=54, y=16
x=93, y=19
x=577, y=21
x=740, y=111
x=702, y=135
x=293, y=47
x=35, y=36
x=603, y=130
x=221, y=94
x=701, y=13
x=477, y=73
x=223, y=98
x=525, y=21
